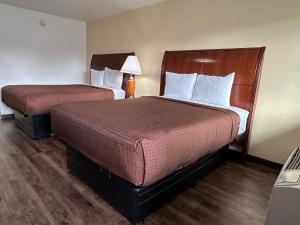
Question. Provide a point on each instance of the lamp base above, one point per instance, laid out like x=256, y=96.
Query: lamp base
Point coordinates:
x=131, y=86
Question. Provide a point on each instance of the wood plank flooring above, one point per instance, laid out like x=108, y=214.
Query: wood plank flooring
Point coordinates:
x=36, y=188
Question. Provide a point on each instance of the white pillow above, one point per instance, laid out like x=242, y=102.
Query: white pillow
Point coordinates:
x=180, y=85
x=213, y=89
x=97, y=78
x=112, y=78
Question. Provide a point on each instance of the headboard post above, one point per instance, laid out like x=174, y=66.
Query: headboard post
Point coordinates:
x=113, y=61
x=245, y=62
x=258, y=72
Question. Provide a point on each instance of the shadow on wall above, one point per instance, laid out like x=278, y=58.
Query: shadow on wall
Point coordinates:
x=282, y=145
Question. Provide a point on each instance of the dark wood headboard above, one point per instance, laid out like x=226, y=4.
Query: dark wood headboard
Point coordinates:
x=113, y=61
x=245, y=62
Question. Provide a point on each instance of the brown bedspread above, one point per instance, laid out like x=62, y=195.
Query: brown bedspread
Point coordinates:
x=145, y=139
x=34, y=100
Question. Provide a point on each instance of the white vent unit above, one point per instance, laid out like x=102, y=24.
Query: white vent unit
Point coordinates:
x=284, y=206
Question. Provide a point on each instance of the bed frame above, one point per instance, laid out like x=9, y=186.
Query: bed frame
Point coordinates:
x=136, y=203
x=39, y=126
x=36, y=127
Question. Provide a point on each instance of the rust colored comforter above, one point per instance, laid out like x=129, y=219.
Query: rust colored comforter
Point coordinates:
x=34, y=100
x=145, y=139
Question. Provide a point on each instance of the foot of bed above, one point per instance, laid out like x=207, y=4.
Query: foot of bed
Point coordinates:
x=136, y=203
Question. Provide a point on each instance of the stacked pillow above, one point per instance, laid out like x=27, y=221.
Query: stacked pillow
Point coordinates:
x=97, y=78
x=215, y=90
x=180, y=85
x=107, y=78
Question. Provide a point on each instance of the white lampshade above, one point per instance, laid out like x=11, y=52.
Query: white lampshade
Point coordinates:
x=132, y=66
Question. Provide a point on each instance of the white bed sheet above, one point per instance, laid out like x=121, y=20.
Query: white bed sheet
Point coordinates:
x=118, y=93
x=243, y=114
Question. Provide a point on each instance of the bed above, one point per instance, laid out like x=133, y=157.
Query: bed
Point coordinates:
x=139, y=153
x=32, y=103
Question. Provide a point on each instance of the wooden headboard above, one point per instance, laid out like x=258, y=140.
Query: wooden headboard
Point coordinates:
x=112, y=61
x=245, y=62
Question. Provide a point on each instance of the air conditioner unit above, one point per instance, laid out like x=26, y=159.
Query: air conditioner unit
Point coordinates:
x=284, y=206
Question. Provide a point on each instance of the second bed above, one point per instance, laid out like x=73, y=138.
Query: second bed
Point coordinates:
x=32, y=103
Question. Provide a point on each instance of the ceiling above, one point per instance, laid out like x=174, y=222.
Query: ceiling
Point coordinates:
x=84, y=10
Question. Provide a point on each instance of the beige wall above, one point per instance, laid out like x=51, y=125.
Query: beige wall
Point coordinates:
x=199, y=24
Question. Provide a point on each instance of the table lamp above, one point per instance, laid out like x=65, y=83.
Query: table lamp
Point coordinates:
x=132, y=67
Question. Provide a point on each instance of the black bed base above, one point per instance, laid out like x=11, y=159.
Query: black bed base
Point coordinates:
x=136, y=203
x=35, y=126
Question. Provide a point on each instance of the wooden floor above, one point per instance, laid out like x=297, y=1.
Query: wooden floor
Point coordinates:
x=36, y=188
